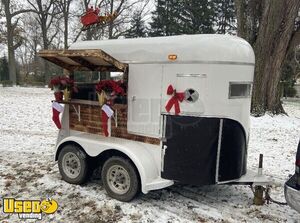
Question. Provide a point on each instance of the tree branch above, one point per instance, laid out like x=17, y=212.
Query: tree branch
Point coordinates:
x=22, y=11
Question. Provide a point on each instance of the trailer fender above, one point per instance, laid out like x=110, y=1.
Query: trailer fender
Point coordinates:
x=139, y=153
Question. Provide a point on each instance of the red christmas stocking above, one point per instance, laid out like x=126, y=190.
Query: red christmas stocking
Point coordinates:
x=104, y=120
x=106, y=113
x=56, y=109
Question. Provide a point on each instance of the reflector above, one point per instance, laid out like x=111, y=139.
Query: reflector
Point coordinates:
x=172, y=56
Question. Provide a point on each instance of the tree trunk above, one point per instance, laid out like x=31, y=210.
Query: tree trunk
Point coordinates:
x=110, y=25
x=274, y=35
x=11, y=55
x=240, y=8
x=10, y=43
x=66, y=31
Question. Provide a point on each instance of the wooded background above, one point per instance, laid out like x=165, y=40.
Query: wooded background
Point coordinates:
x=270, y=26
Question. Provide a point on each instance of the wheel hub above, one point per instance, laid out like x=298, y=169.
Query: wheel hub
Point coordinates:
x=118, y=179
x=71, y=165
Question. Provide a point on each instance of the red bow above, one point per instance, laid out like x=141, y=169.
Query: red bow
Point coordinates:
x=175, y=99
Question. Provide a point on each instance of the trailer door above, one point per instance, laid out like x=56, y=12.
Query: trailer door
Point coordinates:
x=144, y=93
x=190, y=140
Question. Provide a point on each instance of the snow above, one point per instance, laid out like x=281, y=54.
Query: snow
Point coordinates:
x=28, y=171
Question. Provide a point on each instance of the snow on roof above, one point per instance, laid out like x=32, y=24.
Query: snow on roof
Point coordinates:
x=210, y=48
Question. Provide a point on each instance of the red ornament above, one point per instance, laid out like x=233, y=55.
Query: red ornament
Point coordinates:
x=175, y=99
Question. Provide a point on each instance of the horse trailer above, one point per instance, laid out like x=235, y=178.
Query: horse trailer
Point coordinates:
x=184, y=118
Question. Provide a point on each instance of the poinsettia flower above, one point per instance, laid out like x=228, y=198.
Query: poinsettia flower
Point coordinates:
x=63, y=83
x=110, y=86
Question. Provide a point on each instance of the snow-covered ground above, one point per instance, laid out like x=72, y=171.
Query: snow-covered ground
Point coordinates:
x=27, y=171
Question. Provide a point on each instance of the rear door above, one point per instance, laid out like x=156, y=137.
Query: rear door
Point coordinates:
x=190, y=149
x=190, y=141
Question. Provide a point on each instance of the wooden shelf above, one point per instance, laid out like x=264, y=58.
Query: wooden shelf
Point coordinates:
x=79, y=102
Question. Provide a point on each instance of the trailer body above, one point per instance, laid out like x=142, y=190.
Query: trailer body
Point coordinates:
x=206, y=143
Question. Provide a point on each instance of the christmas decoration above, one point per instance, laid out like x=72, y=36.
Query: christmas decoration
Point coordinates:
x=175, y=99
x=59, y=84
x=91, y=17
x=107, y=91
x=58, y=96
x=65, y=84
x=110, y=86
x=106, y=113
x=56, y=110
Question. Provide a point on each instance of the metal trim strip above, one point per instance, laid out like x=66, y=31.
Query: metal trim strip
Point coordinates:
x=219, y=150
x=190, y=62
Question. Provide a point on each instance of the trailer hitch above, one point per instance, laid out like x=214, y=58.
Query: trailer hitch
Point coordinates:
x=262, y=194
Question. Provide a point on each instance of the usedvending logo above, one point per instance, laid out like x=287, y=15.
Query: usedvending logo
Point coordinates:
x=29, y=209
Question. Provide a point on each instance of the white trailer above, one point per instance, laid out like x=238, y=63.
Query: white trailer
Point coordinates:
x=205, y=143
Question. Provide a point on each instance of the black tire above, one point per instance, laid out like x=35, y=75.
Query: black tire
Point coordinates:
x=73, y=152
x=132, y=188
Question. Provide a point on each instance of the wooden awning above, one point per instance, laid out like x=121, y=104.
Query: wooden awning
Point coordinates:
x=83, y=60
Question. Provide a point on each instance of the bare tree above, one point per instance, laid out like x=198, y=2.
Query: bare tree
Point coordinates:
x=13, y=43
x=32, y=43
x=65, y=9
x=47, y=13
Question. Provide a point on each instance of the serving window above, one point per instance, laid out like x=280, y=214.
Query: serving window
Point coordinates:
x=86, y=83
x=88, y=68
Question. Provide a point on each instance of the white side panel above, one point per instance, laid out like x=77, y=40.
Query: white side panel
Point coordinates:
x=144, y=93
x=212, y=83
x=183, y=77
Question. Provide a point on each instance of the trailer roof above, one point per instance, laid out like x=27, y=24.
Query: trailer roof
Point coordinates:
x=204, y=48
x=84, y=60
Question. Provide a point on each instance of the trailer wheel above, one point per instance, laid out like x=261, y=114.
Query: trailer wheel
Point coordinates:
x=72, y=164
x=120, y=179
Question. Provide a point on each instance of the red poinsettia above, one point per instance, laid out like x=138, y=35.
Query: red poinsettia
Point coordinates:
x=63, y=82
x=110, y=86
x=54, y=82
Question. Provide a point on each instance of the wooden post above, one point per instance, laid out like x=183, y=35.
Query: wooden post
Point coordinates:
x=259, y=190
